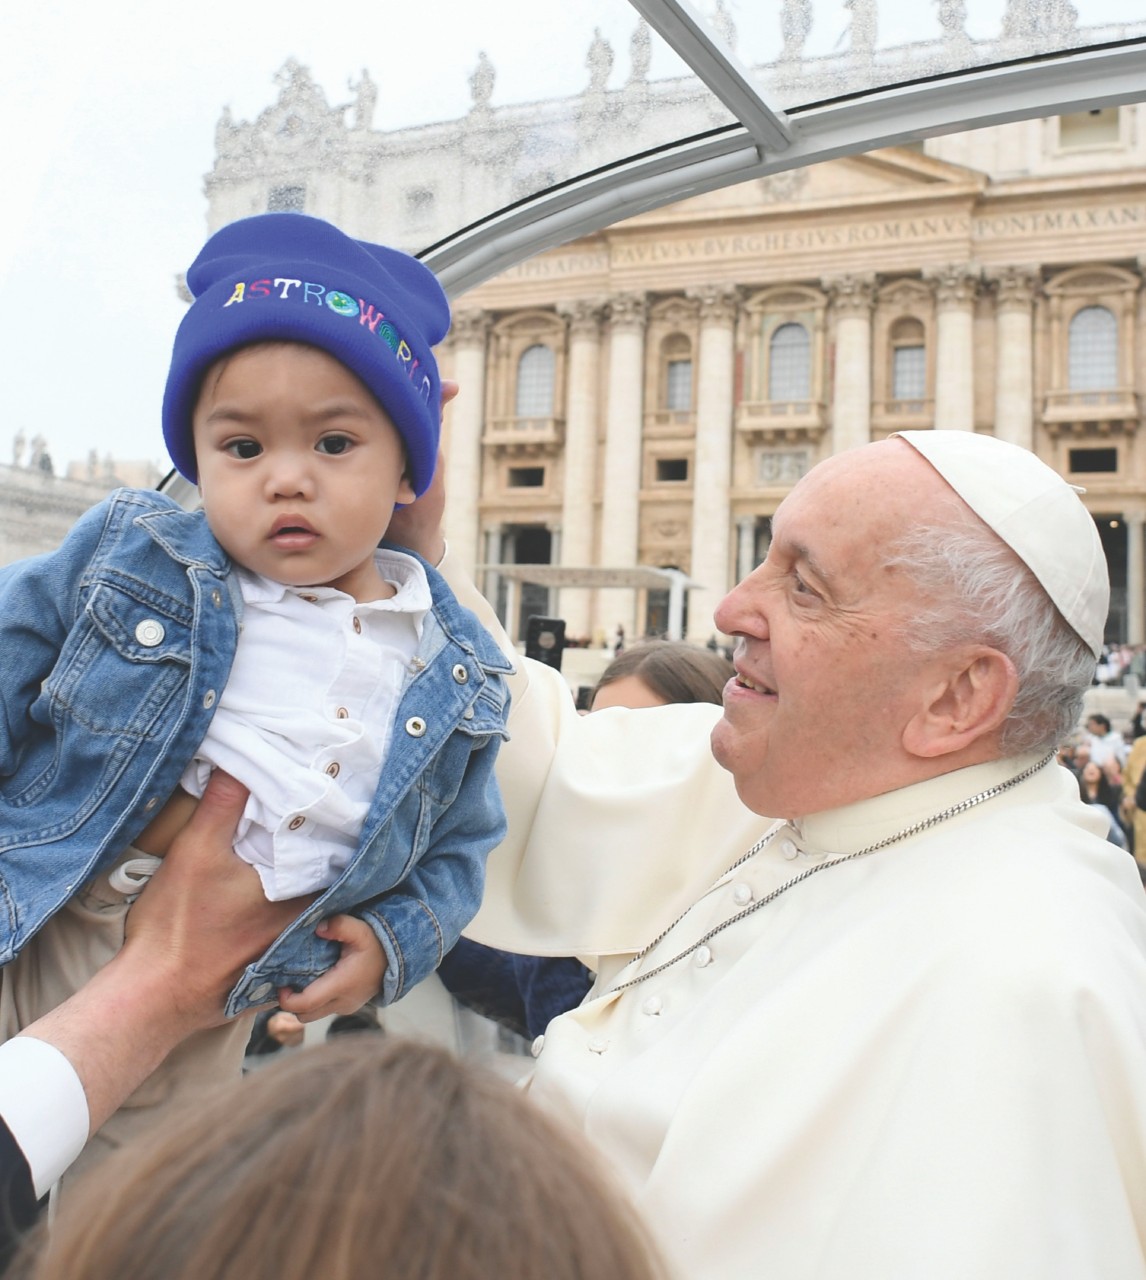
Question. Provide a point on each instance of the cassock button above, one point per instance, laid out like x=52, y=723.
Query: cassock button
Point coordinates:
x=652, y=1006
x=537, y=1045
x=741, y=894
x=788, y=849
x=598, y=1044
x=703, y=958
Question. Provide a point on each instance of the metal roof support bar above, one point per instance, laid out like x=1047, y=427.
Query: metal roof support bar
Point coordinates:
x=718, y=67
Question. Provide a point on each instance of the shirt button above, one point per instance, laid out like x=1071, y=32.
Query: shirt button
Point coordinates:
x=652, y=1006
x=342, y=714
x=333, y=769
x=416, y=726
x=150, y=633
x=788, y=849
x=263, y=989
x=537, y=1045
x=598, y=1044
x=460, y=674
x=209, y=699
x=308, y=597
x=703, y=958
x=356, y=623
x=741, y=894
x=295, y=822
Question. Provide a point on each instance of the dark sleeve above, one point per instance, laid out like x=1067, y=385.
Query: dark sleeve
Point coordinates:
x=18, y=1205
x=549, y=985
x=482, y=979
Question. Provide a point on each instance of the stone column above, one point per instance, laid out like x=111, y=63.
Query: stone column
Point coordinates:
x=468, y=334
x=621, y=485
x=1014, y=355
x=584, y=319
x=852, y=297
x=956, y=288
x=712, y=466
x=492, y=538
x=745, y=546
x=1135, y=587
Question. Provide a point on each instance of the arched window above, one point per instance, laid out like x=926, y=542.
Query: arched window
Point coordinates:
x=535, y=371
x=789, y=363
x=908, y=361
x=1092, y=353
x=678, y=386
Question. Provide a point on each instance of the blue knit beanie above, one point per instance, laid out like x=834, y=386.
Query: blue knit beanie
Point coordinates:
x=292, y=277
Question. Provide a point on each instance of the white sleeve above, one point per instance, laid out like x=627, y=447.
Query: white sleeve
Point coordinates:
x=44, y=1106
x=617, y=821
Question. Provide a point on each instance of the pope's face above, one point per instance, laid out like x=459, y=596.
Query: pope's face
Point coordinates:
x=825, y=681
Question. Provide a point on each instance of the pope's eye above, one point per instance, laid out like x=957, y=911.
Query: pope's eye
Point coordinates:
x=334, y=444
x=244, y=448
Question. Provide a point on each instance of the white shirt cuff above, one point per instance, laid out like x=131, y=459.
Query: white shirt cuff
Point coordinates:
x=43, y=1104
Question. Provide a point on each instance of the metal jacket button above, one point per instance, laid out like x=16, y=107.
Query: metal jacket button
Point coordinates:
x=460, y=674
x=150, y=633
x=416, y=726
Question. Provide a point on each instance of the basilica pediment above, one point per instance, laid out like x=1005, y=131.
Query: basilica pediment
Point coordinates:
x=893, y=173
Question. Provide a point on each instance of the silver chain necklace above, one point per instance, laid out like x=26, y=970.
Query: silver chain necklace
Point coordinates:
x=916, y=827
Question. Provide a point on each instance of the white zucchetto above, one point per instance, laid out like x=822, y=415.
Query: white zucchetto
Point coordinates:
x=1035, y=512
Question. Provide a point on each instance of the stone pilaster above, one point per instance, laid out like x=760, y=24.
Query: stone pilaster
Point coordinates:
x=1135, y=578
x=852, y=297
x=956, y=288
x=468, y=334
x=712, y=468
x=584, y=320
x=745, y=546
x=620, y=510
x=1014, y=289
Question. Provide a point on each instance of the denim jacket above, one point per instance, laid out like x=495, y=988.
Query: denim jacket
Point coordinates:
x=100, y=710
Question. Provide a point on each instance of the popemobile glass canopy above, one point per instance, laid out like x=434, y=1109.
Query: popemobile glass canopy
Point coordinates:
x=118, y=114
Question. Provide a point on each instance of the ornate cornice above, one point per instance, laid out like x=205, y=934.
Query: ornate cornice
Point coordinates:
x=583, y=316
x=1014, y=287
x=851, y=295
x=719, y=304
x=628, y=311
x=469, y=328
x=956, y=285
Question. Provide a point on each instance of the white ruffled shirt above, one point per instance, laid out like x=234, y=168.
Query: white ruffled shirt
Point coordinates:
x=305, y=719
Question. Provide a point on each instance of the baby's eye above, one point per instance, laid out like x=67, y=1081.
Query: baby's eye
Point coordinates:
x=334, y=444
x=243, y=448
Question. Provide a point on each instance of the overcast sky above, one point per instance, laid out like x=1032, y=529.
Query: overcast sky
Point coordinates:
x=109, y=117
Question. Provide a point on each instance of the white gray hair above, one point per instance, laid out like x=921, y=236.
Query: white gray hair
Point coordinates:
x=974, y=590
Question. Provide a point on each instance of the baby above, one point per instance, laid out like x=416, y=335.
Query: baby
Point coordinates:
x=268, y=635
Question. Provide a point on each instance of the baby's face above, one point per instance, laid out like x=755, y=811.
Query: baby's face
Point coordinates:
x=299, y=467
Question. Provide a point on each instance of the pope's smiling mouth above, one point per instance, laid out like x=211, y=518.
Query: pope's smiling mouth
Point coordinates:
x=756, y=687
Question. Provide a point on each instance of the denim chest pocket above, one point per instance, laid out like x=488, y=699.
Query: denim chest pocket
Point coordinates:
x=123, y=662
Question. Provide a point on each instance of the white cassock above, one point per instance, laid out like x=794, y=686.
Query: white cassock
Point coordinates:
x=926, y=1063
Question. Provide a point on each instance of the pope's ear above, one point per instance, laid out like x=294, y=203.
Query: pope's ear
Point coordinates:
x=967, y=701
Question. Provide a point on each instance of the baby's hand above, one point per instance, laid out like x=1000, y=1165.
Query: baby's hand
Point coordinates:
x=356, y=978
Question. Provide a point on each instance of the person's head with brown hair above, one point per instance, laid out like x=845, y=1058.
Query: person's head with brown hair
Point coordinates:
x=356, y=1159
x=655, y=673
